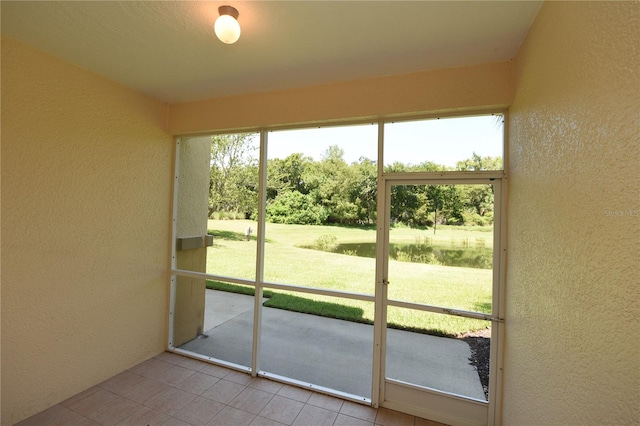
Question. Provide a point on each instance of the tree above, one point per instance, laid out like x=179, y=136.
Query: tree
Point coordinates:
x=294, y=207
x=477, y=163
x=363, y=189
x=300, y=190
x=478, y=199
x=328, y=182
x=286, y=175
x=233, y=179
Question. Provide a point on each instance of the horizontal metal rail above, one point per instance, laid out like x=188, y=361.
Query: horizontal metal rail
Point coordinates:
x=315, y=388
x=203, y=275
x=441, y=310
x=321, y=291
x=439, y=178
x=343, y=295
x=478, y=402
x=286, y=287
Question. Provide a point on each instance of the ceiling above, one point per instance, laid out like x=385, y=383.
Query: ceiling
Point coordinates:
x=168, y=50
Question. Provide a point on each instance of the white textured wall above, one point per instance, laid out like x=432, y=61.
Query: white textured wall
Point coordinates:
x=572, y=352
x=86, y=177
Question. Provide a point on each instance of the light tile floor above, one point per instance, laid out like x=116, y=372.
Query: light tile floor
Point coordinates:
x=172, y=390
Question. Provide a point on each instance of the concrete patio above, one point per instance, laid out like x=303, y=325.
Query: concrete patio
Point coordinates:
x=331, y=353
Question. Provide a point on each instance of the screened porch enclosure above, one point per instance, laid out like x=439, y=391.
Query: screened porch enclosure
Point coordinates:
x=332, y=264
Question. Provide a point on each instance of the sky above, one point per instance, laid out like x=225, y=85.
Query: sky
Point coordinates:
x=442, y=141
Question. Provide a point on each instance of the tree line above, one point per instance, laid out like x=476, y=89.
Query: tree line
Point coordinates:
x=301, y=190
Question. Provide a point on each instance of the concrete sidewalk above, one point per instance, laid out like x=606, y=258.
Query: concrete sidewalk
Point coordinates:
x=331, y=353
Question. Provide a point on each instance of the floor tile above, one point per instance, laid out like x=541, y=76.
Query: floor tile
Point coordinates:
x=90, y=400
x=425, y=422
x=195, y=394
x=151, y=368
x=54, y=416
x=214, y=370
x=223, y=391
x=83, y=421
x=325, y=401
x=197, y=383
x=343, y=420
x=251, y=400
x=263, y=421
x=388, y=417
x=315, y=416
x=232, y=416
x=174, y=375
x=170, y=357
x=265, y=385
x=192, y=364
x=144, y=416
x=199, y=411
x=114, y=411
x=171, y=401
x=122, y=383
x=238, y=377
x=281, y=409
x=293, y=392
x=146, y=391
x=172, y=421
x=359, y=411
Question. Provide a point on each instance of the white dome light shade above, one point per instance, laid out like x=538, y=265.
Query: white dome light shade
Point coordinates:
x=226, y=27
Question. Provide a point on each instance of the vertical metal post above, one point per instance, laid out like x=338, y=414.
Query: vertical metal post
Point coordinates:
x=174, y=227
x=260, y=237
x=379, y=310
x=500, y=262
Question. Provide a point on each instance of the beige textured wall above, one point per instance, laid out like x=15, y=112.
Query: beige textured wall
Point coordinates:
x=192, y=220
x=193, y=186
x=480, y=86
x=85, y=229
x=574, y=227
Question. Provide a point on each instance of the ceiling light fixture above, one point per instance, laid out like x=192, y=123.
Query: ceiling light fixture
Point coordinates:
x=227, y=27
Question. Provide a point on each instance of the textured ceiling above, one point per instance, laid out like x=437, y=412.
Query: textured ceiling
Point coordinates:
x=169, y=50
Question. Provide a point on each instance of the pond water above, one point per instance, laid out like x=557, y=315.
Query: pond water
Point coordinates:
x=480, y=258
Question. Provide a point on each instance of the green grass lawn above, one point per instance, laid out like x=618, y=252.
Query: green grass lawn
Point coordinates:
x=286, y=262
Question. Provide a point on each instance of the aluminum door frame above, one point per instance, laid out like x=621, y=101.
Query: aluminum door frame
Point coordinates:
x=452, y=409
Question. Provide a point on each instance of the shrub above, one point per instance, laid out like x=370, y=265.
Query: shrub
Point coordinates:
x=474, y=219
x=429, y=258
x=295, y=208
x=325, y=242
x=402, y=256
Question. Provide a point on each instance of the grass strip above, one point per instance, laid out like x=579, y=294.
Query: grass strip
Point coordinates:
x=236, y=288
x=303, y=305
x=313, y=307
